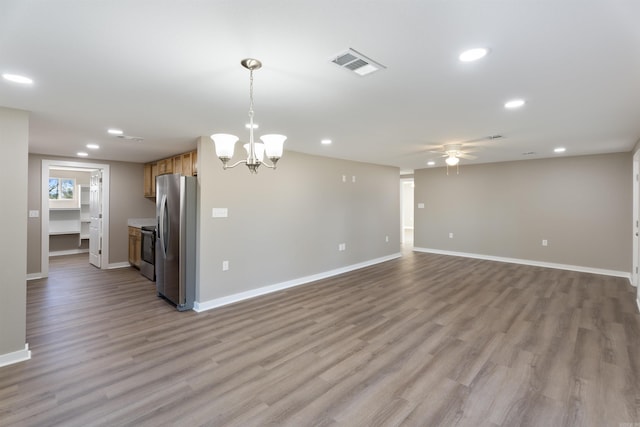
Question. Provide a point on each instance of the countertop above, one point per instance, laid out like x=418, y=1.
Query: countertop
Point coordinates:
x=141, y=222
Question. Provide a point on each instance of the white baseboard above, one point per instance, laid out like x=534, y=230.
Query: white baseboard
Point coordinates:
x=15, y=357
x=35, y=276
x=614, y=273
x=638, y=303
x=118, y=265
x=69, y=252
x=230, y=299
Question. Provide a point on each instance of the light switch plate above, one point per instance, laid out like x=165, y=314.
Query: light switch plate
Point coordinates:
x=420, y=205
x=34, y=214
x=220, y=212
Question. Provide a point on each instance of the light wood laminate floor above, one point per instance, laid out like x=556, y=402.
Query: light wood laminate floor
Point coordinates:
x=424, y=340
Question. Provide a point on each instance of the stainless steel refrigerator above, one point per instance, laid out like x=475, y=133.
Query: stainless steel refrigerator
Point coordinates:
x=176, y=239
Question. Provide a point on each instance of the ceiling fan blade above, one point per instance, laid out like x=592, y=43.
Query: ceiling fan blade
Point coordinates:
x=484, y=138
x=466, y=156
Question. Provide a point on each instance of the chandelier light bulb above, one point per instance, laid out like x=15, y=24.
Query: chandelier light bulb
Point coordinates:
x=473, y=54
x=452, y=160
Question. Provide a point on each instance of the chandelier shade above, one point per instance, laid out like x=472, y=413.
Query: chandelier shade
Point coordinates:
x=224, y=143
x=272, y=144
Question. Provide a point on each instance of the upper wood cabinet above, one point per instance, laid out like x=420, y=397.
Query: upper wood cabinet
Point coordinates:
x=177, y=164
x=165, y=166
x=184, y=164
x=150, y=173
x=194, y=163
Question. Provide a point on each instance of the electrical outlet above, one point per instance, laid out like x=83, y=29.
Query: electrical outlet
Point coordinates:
x=545, y=242
x=353, y=178
x=225, y=265
x=344, y=178
x=386, y=239
x=451, y=235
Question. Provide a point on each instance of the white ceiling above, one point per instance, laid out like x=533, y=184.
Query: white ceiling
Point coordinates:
x=169, y=71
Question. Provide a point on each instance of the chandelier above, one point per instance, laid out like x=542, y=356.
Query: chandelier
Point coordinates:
x=271, y=145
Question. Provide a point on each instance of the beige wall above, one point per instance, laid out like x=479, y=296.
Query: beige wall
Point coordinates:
x=14, y=143
x=287, y=224
x=581, y=205
x=126, y=201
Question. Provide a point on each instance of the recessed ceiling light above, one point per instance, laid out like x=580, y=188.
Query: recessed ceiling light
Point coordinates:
x=93, y=146
x=248, y=125
x=82, y=154
x=431, y=163
x=559, y=150
x=115, y=132
x=473, y=54
x=514, y=103
x=325, y=141
x=16, y=78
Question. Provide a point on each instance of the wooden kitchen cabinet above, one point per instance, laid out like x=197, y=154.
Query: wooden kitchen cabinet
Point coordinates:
x=185, y=164
x=182, y=164
x=194, y=163
x=150, y=173
x=135, y=246
x=177, y=164
x=165, y=166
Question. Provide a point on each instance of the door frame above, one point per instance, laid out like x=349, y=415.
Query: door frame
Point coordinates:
x=44, y=208
x=635, y=275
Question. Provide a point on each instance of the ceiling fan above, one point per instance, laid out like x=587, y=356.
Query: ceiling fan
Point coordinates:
x=455, y=151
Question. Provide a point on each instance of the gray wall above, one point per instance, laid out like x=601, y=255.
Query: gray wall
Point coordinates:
x=581, y=205
x=14, y=143
x=287, y=224
x=126, y=201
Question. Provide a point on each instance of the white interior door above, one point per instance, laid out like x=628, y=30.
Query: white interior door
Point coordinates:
x=95, y=227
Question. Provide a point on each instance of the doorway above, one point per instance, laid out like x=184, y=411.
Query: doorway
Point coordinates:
x=100, y=246
x=406, y=210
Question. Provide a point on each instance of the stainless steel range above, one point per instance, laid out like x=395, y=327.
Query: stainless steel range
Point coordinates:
x=148, y=252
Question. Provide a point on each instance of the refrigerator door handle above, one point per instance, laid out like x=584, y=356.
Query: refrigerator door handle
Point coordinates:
x=162, y=222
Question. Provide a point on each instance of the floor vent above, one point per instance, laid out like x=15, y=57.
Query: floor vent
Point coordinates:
x=358, y=63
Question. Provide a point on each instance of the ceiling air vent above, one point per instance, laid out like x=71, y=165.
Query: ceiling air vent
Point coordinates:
x=357, y=62
x=131, y=138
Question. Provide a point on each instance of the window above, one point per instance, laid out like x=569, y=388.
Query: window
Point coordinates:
x=61, y=188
